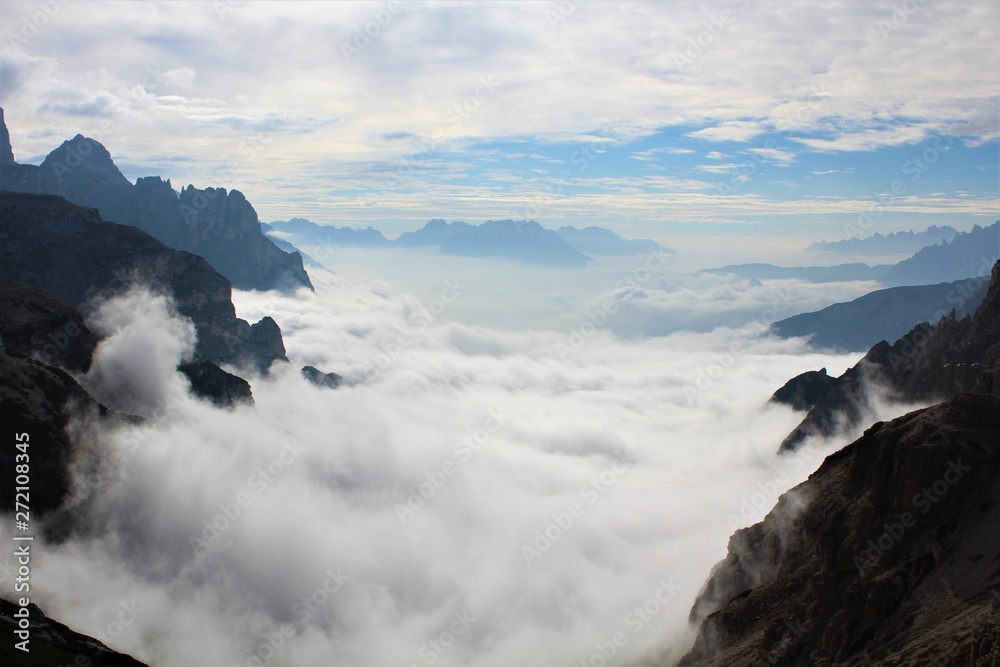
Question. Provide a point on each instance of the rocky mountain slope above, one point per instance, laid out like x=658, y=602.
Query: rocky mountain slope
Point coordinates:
x=69, y=251
x=889, y=553
x=931, y=362
x=218, y=225
x=53, y=644
x=883, y=315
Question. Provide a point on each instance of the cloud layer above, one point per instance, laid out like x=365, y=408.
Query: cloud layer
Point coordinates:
x=470, y=497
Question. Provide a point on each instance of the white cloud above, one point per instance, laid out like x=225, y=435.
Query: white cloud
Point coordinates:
x=306, y=488
x=734, y=130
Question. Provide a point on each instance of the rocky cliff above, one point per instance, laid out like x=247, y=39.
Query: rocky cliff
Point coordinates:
x=931, y=362
x=218, y=225
x=69, y=251
x=889, y=553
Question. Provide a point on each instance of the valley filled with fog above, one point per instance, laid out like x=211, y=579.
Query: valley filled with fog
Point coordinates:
x=469, y=496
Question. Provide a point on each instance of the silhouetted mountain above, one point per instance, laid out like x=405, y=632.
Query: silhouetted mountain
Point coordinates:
x=905, y=243
x=53, y=644
x=803, y=391
x=434, y=233
x=69, y=251
x=220, y=226
x=883, y=315
x=523, y=240
x=814, y=274
x=968, y=254
x=6, y=151
x=600, y=241
x=931, y=362
x=321, y=379
x=305, y=232
x=887, y=555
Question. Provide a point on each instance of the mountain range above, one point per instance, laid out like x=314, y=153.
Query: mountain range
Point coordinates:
x=218, y=225
x=522, y=240
x=898, y=243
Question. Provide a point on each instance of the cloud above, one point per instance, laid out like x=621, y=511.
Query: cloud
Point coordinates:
x=735, y=130
x=550, y=492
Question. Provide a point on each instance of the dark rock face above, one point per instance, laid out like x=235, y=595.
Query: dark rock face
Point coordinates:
x=52, y=643
x=931, y=362
x=36, y=399
x=802, y=392
x=209, y=381
x=884, y=314
x=36, y=323
x=888, y=553
x=69, y=251
x=321, y=379
x=219, y=226
x=6, y=152
x=892, y=560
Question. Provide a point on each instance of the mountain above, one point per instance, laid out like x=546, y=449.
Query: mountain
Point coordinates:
x=434, y=233
x=218, y=225
x=600, y=241
x=306, y=232
x=804, y=391
x=523, y=240
x=814, y=274
x=899, y=243
x=52, y=643
x=882, y=315
x=69, y=251
x=6, y=151
x=931, y=362
x=968, y=254
x=887, y=554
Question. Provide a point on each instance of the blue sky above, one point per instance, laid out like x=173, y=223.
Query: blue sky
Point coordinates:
x=777, y=120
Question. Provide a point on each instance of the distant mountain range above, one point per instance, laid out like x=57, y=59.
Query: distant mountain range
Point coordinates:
x=522, y=240
x=968, y=254
x=899, y=243
x=883, y=315
x=218, y=225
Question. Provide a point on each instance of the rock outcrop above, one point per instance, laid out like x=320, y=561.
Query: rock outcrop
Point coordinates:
x=931, y=362
x=321, y=379
x=52, y=643
x=69, y=251
x=218, y=225
x=211, y=382
x=803, y=391
x=888, y=554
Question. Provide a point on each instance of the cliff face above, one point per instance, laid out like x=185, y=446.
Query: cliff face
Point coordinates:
x=931, y=362
x=69, y=251
x=219, y=226
x=889, y=553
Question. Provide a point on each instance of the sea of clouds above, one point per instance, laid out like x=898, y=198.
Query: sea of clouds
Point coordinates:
x=468, y=496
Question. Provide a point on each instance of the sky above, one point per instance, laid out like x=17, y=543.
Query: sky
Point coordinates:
x=777, y=121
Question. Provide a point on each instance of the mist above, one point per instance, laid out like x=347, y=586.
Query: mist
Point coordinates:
x=469, y=496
